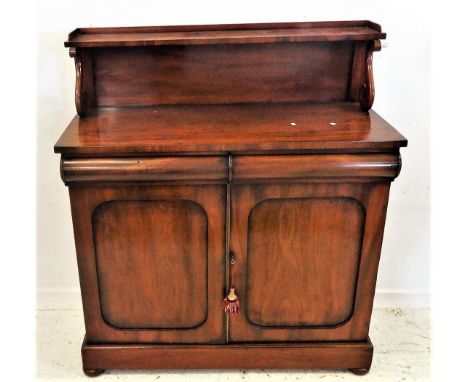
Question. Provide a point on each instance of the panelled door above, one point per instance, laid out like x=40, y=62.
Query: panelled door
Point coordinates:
x=306, y=259
x=152, y=262
x=152, y=257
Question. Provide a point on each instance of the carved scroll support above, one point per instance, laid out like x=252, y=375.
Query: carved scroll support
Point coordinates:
x=81, y=93
x=367, y=91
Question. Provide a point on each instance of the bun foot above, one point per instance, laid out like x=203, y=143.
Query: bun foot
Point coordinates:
x=359, y=371
x=93, y=372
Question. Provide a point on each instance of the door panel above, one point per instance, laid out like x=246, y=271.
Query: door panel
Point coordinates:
x=151, y=262
x=151, y=259
x=306, y=260
x=302, y=261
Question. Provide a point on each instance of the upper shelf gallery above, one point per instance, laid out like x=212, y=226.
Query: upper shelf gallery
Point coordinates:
x=317, y=62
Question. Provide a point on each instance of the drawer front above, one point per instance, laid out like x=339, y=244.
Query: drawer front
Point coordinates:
x=276, y=167
x=164, y=169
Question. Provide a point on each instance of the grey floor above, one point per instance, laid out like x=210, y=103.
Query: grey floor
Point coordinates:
x=401, y=338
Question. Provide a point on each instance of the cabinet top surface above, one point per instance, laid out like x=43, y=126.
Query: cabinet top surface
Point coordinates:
x=228, y=128
x=225, y=34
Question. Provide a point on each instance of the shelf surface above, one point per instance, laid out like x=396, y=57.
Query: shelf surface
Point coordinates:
x=228, y=128
x=225, y=34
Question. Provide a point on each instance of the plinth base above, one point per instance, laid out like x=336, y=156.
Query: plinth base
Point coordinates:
x=355, y=356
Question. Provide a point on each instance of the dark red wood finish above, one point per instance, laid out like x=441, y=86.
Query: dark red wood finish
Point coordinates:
x=211, y=65
x=222, y=129
x=301, y=271
x=220, y=74
x=225, y=34
x=357, y=355
x=197, y=145
x=118, y=253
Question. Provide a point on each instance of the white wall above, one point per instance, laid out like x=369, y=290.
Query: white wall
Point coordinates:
x=402, y=98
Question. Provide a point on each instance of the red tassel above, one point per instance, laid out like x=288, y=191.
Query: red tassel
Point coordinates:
x=231, y=303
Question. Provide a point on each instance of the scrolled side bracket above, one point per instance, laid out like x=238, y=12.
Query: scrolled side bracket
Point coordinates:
x=80, y=93
x=367, y=91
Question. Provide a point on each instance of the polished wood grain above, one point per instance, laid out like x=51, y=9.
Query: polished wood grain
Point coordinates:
x=156, y=170
x=228, y=128
x=220, y=74
x=246, y=356
x=358, y=70
x=152, y=262
x=85, y=93
x=297, y=251
x=367, y=90
x=218, y=64
x=127, y=258
x=315, y=167
x=302, y=261
x=195, y=144
x=225, y=34
x=79, y=88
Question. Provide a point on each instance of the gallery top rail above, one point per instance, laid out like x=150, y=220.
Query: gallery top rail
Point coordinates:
x=361, y=30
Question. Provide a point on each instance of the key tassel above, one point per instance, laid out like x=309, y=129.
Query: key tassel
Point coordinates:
x=231, y=302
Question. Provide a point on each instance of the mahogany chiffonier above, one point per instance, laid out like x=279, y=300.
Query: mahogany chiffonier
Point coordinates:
x=228, y=187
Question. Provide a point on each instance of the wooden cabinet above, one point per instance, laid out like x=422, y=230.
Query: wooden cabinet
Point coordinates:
x=305, y=253
x=206, y=160
x=151, y=262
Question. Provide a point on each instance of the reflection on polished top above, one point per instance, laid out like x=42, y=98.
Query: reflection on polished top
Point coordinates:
x=228, y=128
